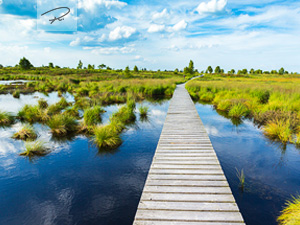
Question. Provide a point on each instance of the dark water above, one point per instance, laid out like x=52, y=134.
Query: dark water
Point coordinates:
x=272, y=171
x=75, y=183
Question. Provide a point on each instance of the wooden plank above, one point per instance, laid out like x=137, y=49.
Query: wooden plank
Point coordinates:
x=186, y=184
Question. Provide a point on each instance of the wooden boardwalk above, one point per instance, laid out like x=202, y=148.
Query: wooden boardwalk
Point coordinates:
x=186, y=184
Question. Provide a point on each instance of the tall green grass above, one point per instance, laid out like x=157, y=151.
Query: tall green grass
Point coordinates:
x=290, y=215
x=272, y=101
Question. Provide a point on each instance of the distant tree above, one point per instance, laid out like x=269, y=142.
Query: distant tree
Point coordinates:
x=127, y=72
x=1, y=66
x=286, y=72
x=209, y=70
x=258, y=72
x=252, y=71
x=186, y=70
x=102, y=66
x=222, y=71
x=80, y=65
x=232, y=71
x=136, y=69
x=266, y=72
x=217, y=69
x=244, y=71
x=108, y=68
x=25, y=64
x=274, y=72
x=189, y=69
x=281, y=71
x=91, y=67
x=57, y=67
x=51, y=65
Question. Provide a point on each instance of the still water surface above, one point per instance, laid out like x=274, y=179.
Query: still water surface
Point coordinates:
x=272, y=171
x=77, y=184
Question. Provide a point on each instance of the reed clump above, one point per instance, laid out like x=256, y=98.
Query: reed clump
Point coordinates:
x=16, y=94
x=62, y=125
x=278, y=130
x=6, y=119
x=92, y=116
x=290, y=215
x=37, y=148
x=143, y=111
x=26, y=133
x=43, y=104
x=106, y=137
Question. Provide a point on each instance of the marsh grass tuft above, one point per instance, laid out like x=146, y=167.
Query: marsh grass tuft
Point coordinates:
x=62, y=124
x=143, y=111
x=37, y=148
x=6, y=119
x=238, y=111
x=290, y=215
x=106, y=137
x=42, y=103
x=278, y=130
x=26, y=133
x=241, y=177
x=16, y=94
x=92, y=116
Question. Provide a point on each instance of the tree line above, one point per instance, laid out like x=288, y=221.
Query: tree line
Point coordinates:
x=25, y=64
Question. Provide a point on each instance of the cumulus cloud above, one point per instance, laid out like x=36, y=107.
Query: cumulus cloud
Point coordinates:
x=212, y=6
x=89, y=5
x=121, y=32
x=156, y=28
x=1, y=2
x=160, y=15
x=180, y=26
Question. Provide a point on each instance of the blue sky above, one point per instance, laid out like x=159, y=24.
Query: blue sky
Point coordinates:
x=156, y=34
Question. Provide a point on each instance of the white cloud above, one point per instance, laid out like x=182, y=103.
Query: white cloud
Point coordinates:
x=110, y=50
x=180, y=25
x=76, y=42
x=89, y=5
x=212, y=6
x=1, y=2
x=47, y=49
x=160, y=15
x=121, y=32
x=156, y=28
